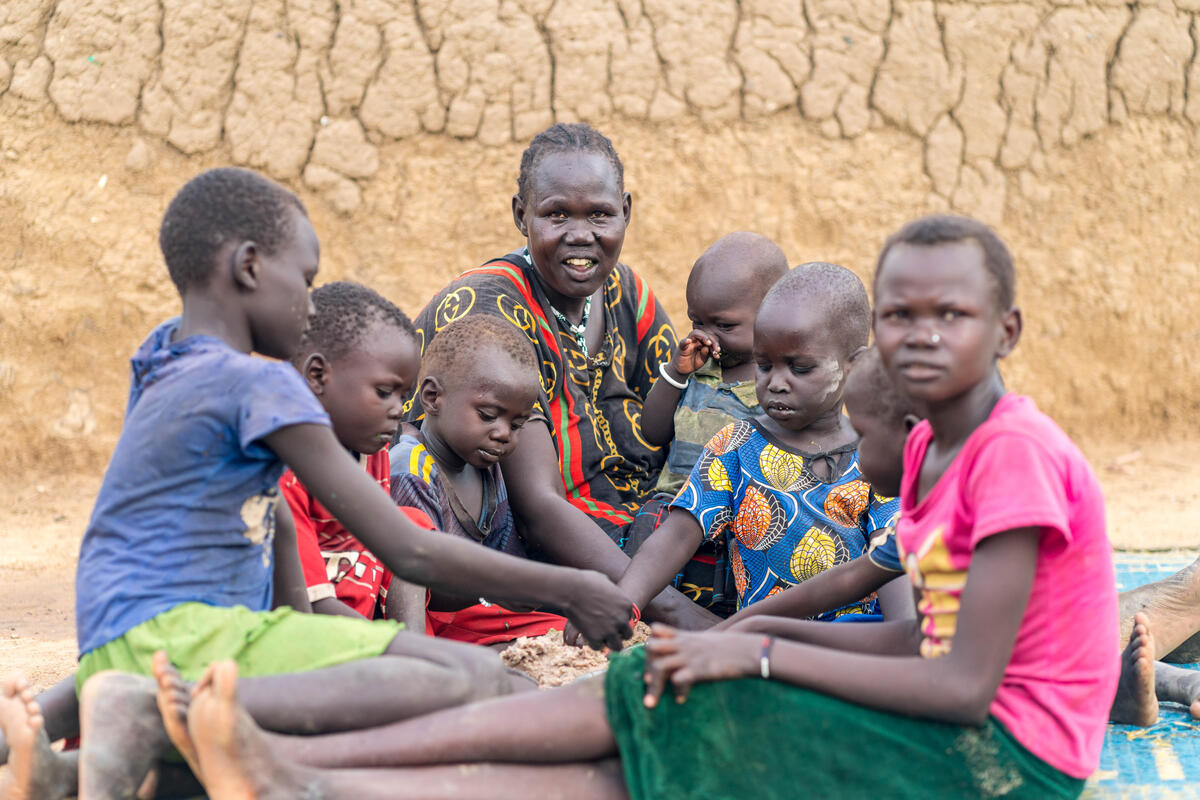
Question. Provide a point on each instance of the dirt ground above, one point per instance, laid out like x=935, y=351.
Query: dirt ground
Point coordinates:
x=1153, y=494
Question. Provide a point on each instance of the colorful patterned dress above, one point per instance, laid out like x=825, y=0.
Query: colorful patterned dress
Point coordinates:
x=592, y=405
x=784, y=524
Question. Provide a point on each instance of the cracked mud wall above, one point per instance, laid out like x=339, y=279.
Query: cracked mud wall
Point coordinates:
x=1071, y=126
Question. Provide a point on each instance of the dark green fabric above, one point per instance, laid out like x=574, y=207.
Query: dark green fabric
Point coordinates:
x=750, y=739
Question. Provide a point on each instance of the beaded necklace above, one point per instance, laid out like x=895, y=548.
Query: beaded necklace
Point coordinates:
x=577, y=331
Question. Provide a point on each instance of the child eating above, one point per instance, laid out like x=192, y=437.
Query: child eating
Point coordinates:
x=710, y=380
x=187, y=540
x=478, y=386
x=360, y=358
x=785, y=484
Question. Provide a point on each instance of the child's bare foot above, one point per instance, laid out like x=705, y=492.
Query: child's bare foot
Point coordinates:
x=1136, y=703
x=122, y=735
x=173, y=698
x=233, y=753
x=34, y=772
x=1178, y=685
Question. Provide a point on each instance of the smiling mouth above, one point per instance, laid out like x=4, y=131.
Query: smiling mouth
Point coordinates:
x=579, y=265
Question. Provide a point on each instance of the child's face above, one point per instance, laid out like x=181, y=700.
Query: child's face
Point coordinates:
x=880, y=445
x=280, y=305
x=480, y=415
x=937, y=325
x=725, y=314
x=801, y=365
x=365, y=388
x=574, y=220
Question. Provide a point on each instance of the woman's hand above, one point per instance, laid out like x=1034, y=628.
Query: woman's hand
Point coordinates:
x=684, y=659
x=693, y=353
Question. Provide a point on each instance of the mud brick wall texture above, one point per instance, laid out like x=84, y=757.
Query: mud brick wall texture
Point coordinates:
x=1072, y=126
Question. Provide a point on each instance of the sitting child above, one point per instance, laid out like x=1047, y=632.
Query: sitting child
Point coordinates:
x=360, y=358
x=478, y=385
x=785, y=484
x=710, y=380
x=188, y=548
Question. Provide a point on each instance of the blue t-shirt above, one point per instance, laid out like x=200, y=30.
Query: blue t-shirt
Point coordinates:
x=186, y=512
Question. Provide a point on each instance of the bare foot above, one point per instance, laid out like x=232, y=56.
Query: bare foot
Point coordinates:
x=232, y=751
x=34, y=771
x=122, y=735
x=1136, y=703
x=173, y=698
x=1178, y=685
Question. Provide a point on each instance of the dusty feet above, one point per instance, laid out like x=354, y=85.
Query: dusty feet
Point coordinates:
x=1172, y=609
x=34, y=770
x=173, y=698
x=122, y=735
x=1136, y=703
x=232, y=752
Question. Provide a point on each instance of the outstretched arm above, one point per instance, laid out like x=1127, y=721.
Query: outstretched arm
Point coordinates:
x=661, y=557
x=566, y=534
x=444, y=563
x=958, y=687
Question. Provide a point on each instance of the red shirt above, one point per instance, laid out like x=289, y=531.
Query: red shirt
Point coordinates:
x=335, y=563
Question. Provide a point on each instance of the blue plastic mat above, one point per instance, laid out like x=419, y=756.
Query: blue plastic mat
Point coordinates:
x=1158, y=762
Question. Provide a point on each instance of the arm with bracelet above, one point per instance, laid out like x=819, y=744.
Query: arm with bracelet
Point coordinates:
x=658, y=412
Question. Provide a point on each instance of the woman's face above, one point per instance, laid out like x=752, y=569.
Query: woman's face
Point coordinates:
x=574, y=220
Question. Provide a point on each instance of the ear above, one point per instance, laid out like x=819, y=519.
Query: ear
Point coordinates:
x=245, y=266
x=1011, y=323
x=627, y=207
x=910, y=421
x=858, y=351
x=518, y=206
x=316, y=373
x=430, y=393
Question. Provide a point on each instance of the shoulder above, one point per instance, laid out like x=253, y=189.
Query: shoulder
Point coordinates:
x=732, y=437
x=410, y=461
x=1018, y=429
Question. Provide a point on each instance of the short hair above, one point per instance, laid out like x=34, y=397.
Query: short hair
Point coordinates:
x=345, y=312
x=764, y=264
x=869, y=380
x=837, y=291
x=456, y=349
x=946, y=229
x=216, y=207
x=565, y=138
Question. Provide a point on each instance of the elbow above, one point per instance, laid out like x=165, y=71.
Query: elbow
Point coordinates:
x=656, y=436
x=969, y=700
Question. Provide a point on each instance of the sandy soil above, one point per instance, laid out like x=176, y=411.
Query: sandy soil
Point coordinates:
x=1153, y=495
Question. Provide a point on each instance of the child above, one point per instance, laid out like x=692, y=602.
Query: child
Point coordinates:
x=185, y=543
x=478, y=386
x=882, y=418
x=360, y=358
x=785, y=484
x=1001, y=689
x=710, y=380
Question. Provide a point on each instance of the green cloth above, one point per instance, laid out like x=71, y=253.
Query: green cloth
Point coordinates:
x=706, y=406
x=749, y=739
x=261, y=642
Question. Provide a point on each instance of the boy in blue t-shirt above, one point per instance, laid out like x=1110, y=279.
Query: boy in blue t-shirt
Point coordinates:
x=782, y=490
x=188, y=547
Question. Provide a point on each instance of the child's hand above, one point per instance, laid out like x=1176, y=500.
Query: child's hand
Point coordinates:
x=693, y=352
x=684, y=659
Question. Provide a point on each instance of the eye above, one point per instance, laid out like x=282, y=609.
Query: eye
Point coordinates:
x=557, y=214
x=600, y=215
x=486, y=416
x=763, y=366
x=894, y=315
x=725, y=326
x=801, y=370
x=951, y=314
x=384, y=392
x=517, y=424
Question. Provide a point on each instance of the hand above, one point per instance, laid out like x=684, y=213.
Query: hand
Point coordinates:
x=679, y=612
x=684, y=659
x=694, y=352
x=598, y=611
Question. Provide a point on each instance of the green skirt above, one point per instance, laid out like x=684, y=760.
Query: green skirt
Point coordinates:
x=749, y=739
x=261, y=642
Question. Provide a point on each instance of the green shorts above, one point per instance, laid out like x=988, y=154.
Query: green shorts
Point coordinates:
x=261, y=642
x=767, y=740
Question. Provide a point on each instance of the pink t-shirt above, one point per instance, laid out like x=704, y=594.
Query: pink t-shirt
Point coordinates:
x=1019, y=470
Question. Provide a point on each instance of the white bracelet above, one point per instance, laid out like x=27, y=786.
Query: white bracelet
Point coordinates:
x=662, y=370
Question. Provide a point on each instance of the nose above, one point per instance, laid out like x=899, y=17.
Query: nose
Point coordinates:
x=578, y=232
x=776, y=382
x=395, y=407
x=501, y=433
x=312, y=307
x=923, y=334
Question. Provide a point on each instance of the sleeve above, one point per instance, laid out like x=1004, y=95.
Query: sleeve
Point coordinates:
x=882, y=515
x=709, y=494
x=311, y=561
x=655, y=337
x=418, y=517
x=1013, y=482
x=272, y=397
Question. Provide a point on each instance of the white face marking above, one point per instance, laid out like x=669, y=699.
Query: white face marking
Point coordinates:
x=830, y=369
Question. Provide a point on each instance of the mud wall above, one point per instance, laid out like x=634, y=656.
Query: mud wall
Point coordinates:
x=1072, y=126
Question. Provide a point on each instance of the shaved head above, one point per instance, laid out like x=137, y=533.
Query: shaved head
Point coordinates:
x=736, y=264
x=832, y=291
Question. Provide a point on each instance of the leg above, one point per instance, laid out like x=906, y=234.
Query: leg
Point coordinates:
x=1136, y=703
x=35, y=771
x=1171, y=606
x=1176, y=685
x=239, y=765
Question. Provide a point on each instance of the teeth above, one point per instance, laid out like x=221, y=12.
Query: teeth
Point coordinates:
x=579, y=262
